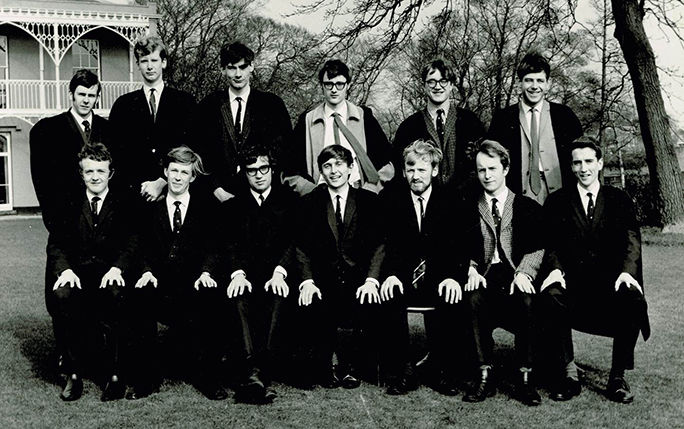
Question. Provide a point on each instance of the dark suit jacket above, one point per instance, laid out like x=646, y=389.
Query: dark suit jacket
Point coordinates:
x=86, y=245
x=335, y=261
x=55, y=143
x=465, y=128
x=139, y=144
x=406, y=245
x=592, y=255
x=521, y=240
x=258, y=238
x=178, y=260
x=266, y=122
x=505, y=129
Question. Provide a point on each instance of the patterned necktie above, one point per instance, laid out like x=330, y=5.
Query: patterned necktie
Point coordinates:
x=338, y=213
x=336, y=127
x=153, y=104
x=93, y=207
x=590, y=207
x=261, y=200
x=177, y=221
x=238, y=116
x=440, y=126
x=86, y=130
x=535, y=176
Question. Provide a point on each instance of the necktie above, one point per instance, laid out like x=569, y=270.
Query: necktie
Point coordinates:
x=535, y=177
x=177, y=221
x=86, y=130
x=338, y=213
x=153, y=104
x=497, y=216
x=261, y=200
x=238, y=116
x=440, y=126
x=93, y=207
x=422, y=213
x=336, y=127
x=590, y=207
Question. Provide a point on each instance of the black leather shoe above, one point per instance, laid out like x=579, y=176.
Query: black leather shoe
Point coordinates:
x=567, y=389
x=618, y=390
x=252, y=391
x=113, y=391
x=526, y=392
x=141, y=391
x=212, y=390
x=350, y=382
x=401, y=385
x=73, y=389
x=329, y=380
x=270, y=395
x=447, y=387
x=483, y=389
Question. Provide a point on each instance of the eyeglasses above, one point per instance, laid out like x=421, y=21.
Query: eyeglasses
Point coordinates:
x=264, y=169
x=432, y=83
x=339, y=85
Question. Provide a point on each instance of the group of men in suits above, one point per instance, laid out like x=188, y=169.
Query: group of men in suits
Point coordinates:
x=457, y=226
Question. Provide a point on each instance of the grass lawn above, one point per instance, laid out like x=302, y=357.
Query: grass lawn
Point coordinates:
x=29, y=386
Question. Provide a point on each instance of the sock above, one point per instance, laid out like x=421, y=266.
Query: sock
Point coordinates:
x=571, y=371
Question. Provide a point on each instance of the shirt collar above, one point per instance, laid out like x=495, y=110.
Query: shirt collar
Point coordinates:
x=266, y=193
x=432, y=109
x=184, y=199
x=158, y=88
x=425, y=195
x=79, y=120
x=244, y=96
x=501, y=196
x=340, y=108
x=527, y=107
x=102, y=196
x=594, y=189
x=342, y=192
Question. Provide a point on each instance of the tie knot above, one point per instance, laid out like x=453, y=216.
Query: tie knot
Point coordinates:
x=589, y=194
x=95, y=199
x=533, y=109
x=238, y=99
x=152, y=90
x=335, y=115
x=440, y=112
x=86, y=124
x=494, y=201
x=261, y=198
x=421, y=199
x=177, y=204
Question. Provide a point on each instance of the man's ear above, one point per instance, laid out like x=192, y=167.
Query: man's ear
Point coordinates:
x=193, y=177
x=166, y=172
x=435, y=171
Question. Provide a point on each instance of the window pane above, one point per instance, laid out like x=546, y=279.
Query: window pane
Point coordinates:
x=86, y=55
x=3, y=143
x=3, y=52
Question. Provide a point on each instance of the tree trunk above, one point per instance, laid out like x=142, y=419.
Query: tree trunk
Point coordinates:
x=666, y=179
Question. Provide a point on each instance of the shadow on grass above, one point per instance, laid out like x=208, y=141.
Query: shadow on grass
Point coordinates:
x=37, y=345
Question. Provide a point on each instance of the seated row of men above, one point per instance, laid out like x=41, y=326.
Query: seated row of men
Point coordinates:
x=357, y=260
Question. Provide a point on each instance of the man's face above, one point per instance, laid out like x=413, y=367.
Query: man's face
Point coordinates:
x=238, y=74
x=586, y=166
x=490, y=172
x=258, y=180
x=534, y=87
x=95, y=174
x=151, y=67
x=179, y=177
x=83, y=99
x=334, y=95
x=442, y=87
x=419, y=173
x=335, y=173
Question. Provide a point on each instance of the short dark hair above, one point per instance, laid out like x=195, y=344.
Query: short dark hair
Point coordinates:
x=424, y=149
x=252, y=153
x=587, y=142
x=438, y=64
x=185, y=155
x=334, y=68
x=234, y=52
x=84, y=78
x=335, y=151
x=95, y=151
x=493, y=149
x=148, y=44
x=533, y=62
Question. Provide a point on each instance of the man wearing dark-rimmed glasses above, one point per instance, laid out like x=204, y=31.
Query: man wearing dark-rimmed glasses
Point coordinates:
x=455, y=129
x=339, y=121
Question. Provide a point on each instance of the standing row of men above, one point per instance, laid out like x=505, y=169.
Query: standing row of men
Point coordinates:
x=348, y=248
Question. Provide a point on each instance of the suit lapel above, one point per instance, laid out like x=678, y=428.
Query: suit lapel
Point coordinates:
x=106, y=209
x=544, y=117
x=430, y=126
x=248, y=114
x=349, y=209
x=450, y=124
x=507, y=216
x=411, y=213
x=76, y=129
x=523, y=122
x=163, y=217
x=227, y=115
x=486, y=214
x=85, y=210
x=578, y=209
x=598, y=209
x=332, y=223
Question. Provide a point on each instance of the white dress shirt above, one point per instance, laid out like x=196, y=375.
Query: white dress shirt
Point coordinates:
x=79, y=120
x=416, y=204
x=594, y=189
x=158, y=88
x=432, y=110
x=256, y=195
x=171, y=207
x=232, y=96
x=102, y=197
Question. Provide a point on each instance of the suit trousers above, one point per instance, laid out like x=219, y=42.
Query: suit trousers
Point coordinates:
x=494, y=306
x=86, y=312
x=258, y=315
x=614, y=314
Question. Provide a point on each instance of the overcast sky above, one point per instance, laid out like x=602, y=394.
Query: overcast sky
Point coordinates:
x=669, y=51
